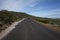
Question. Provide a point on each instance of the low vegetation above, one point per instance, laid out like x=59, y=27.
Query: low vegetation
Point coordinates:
x=8, y=17
x=53, y=24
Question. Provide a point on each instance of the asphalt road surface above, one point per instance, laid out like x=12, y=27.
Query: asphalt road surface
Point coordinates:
x=30, y=30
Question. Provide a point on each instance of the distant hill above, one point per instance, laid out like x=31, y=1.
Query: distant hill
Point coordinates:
x=8, y=17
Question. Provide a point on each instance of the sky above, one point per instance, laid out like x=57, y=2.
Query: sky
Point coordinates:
x=39, y=8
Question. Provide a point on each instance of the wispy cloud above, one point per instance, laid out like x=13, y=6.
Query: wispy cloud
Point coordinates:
x=41, y=8
x=11, y=4
x=15, y=4
x=54, y=13
x=47, y=13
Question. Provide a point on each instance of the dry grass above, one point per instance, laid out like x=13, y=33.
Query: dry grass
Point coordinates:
x=54, y=27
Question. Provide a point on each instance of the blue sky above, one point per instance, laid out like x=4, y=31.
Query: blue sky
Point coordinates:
x=40, y=8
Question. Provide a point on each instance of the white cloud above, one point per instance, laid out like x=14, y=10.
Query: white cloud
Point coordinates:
x=55, y=13
x=21, y=5
x=9, y=5
x=17, y=4
x=47, y=13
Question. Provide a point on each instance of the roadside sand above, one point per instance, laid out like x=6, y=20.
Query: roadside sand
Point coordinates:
x=6, y=31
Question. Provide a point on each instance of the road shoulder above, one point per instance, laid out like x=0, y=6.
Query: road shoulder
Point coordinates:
x=7, y=30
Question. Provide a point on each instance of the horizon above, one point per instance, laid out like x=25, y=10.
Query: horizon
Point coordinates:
x=39, y=8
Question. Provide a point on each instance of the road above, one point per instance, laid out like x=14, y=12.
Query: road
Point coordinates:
x=30, y=30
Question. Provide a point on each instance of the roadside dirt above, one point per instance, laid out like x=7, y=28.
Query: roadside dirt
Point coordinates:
x=54, y=27
x=6, y=31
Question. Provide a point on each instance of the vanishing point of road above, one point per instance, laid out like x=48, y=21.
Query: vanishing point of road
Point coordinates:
x=30, y=30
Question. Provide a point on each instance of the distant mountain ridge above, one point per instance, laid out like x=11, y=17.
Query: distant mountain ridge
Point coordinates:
x=8, y=17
